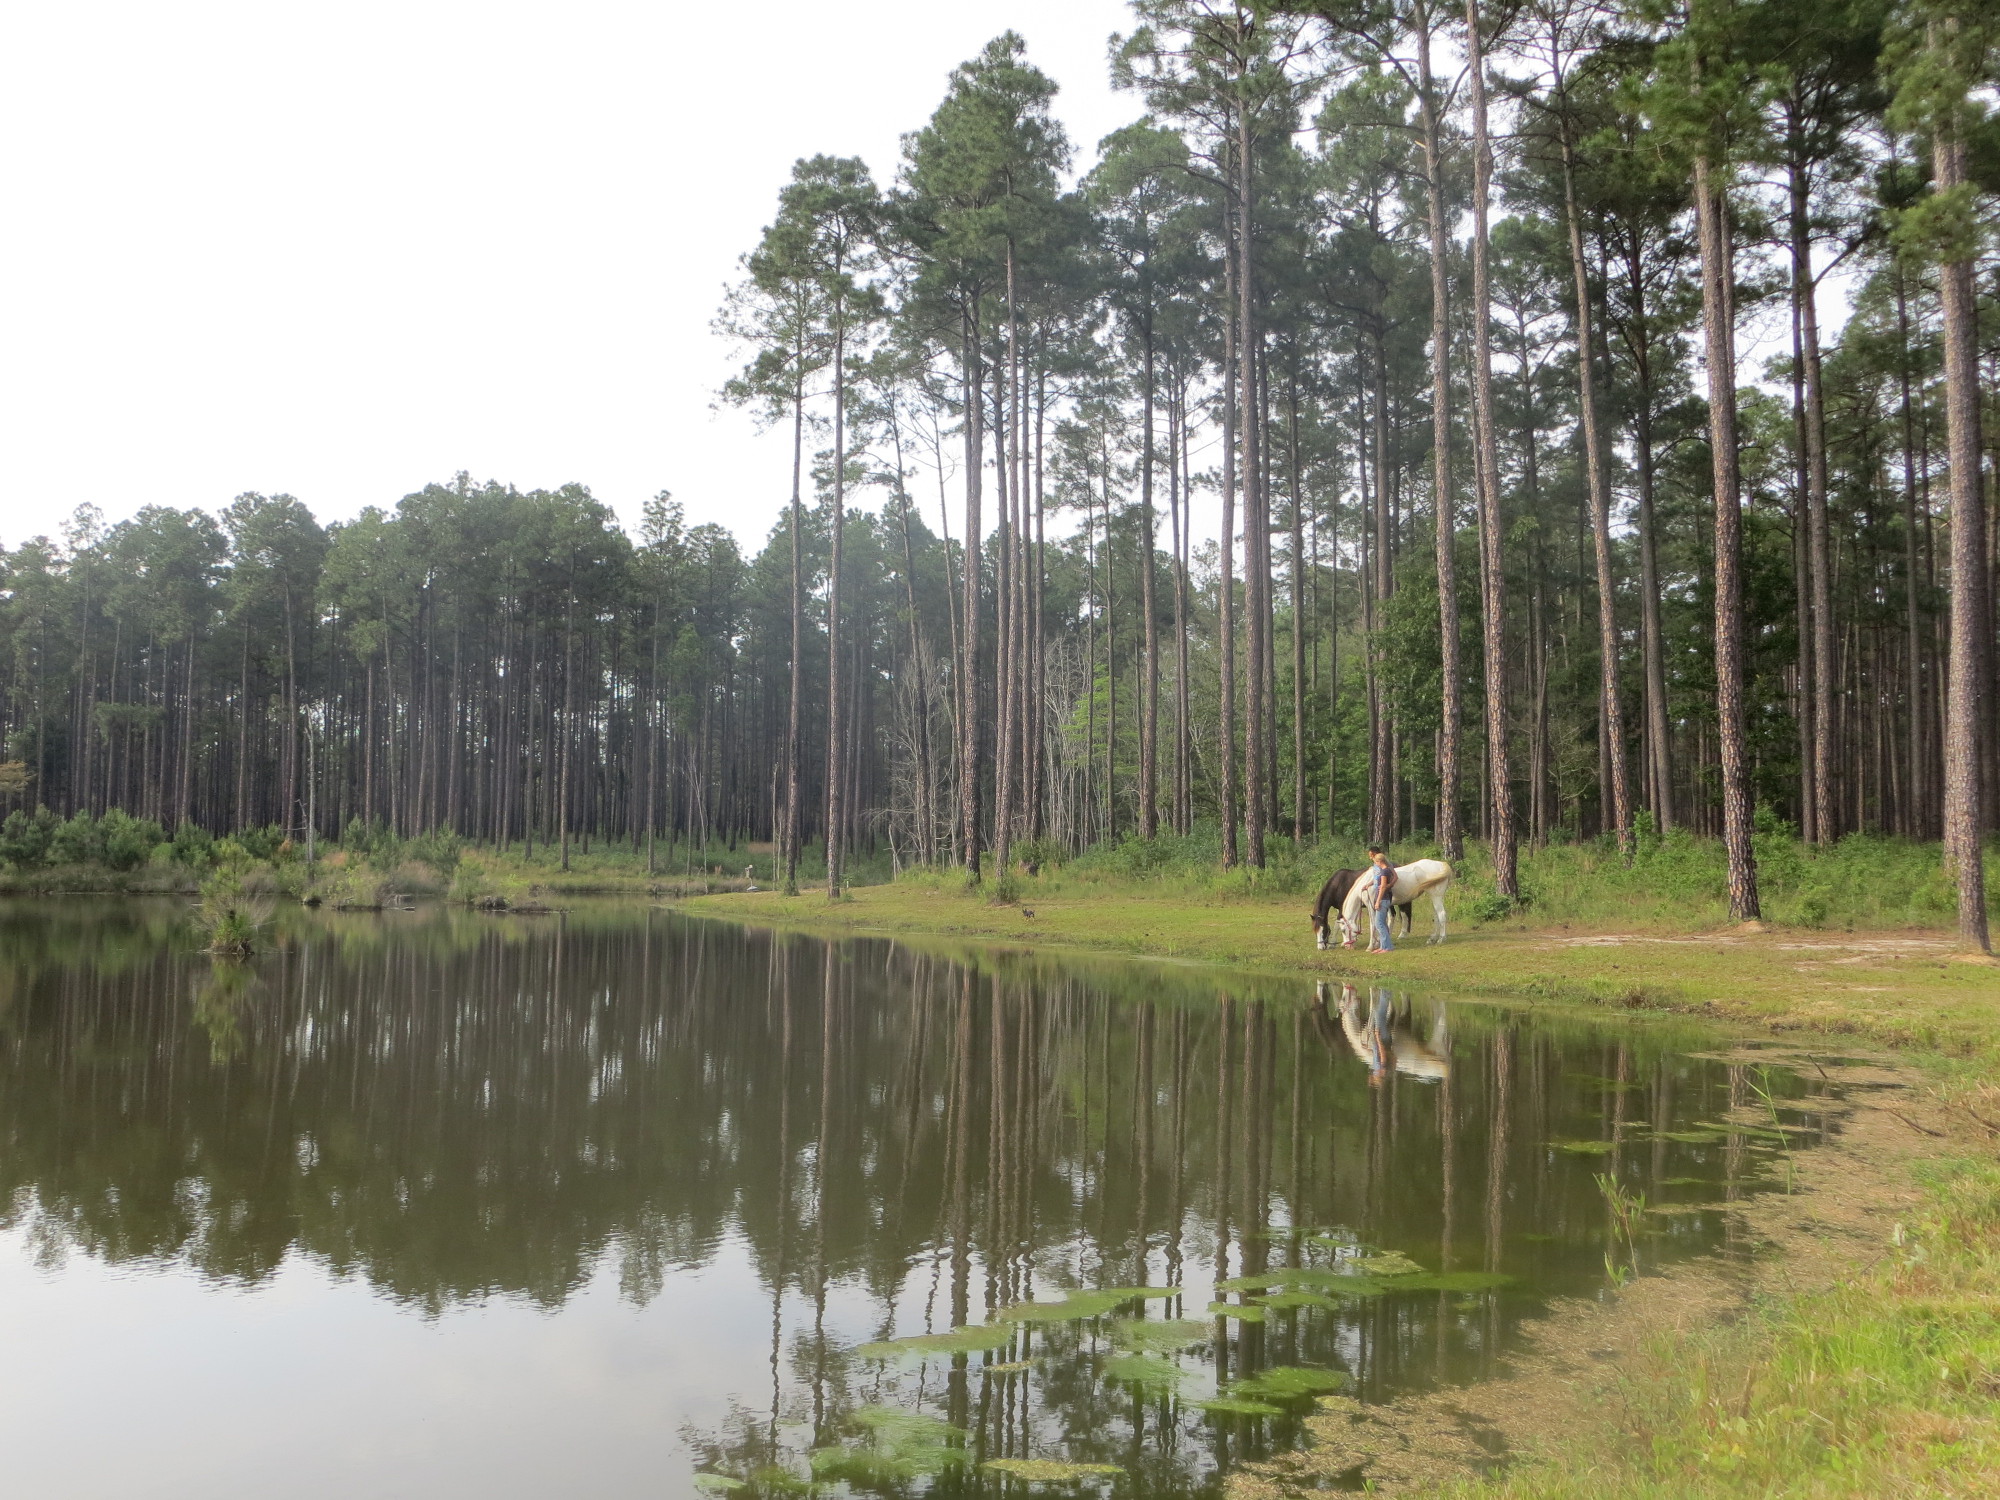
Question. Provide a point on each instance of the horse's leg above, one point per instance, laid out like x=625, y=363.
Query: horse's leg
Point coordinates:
x=1437, y=916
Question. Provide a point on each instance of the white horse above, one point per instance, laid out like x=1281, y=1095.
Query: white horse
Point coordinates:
x=1425, y=877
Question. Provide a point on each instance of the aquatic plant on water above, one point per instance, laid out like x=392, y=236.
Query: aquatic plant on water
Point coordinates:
x=228, y=915
x=1049, y=1470
x=1139, y=1336
x=1294, y=1383
x=892, y=1447
x=1081, y=1304
x=971, y=1339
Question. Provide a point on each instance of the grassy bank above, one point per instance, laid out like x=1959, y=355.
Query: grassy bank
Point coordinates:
x=1903, y=987
x=1878, y=1383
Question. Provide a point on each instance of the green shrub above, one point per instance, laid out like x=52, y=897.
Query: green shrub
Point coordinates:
x=77, y=841
x=1041, y=854
x=192, y=846
x=469, y=884
x=440, y=849
x=25, y=837
x=229, y=854
x=1814, y=907
x=128, y=842
x=263, y=843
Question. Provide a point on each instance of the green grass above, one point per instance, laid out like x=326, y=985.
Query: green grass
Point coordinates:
x=1899, y=986
x=1886, y=1385
x=1863, y=882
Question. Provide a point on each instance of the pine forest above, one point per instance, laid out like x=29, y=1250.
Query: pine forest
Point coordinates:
x=1549, y=422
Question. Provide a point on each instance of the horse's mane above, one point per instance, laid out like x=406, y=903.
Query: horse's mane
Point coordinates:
x=1333, y=895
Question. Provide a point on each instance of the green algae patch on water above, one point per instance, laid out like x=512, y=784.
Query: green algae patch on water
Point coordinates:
x=1139, y=1336
x=1280, y=1301
x=1012, y=1367
x=1049, y=1470
x=1332, y=1280
x=1388, y=1263
x=1237, y=1406
x=1289, y=1383
x=1255, y=1283
x=1148, y=1370
x=1079, y=1305
x=1586, y=1148
x=895, y=1446
x=1454, y=1281
x=1242, y=1312
x=719, y=1484
x=972, y=1339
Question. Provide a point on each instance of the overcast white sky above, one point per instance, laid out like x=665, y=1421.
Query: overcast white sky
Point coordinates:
x=341, y=251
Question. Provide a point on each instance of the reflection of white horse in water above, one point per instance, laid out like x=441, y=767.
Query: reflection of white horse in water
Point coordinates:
x=1383, y=1035
x=1424, y=877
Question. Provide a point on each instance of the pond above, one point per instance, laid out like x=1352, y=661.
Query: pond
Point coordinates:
x=622, y=1203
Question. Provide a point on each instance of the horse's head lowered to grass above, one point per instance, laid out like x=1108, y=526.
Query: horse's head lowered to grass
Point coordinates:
x=1328, y=908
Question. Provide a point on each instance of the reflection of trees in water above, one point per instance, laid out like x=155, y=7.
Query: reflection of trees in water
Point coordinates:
x=458, y=1107
x=219, y=1002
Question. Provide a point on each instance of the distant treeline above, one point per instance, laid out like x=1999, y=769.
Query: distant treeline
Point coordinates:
x=1506, y=547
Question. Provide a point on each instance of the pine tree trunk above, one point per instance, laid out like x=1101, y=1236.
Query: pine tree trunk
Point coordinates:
x=1819, y=560
x=567, y=733
x=1255, y=571
x=1493, y=602
x=1176, y=454
x=1610, y=705
x=792, y=746
x=1226, y=597
x=1004, y=381
x=1450, y=835
x=968, y=713
x=1300, y=803
x=836, y=769
x=1967, y=682
x=1718, y=335
x=1382, y=775
x=1919, y=822
x=1149, y=706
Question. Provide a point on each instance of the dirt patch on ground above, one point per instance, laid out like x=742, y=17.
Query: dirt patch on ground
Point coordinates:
x=1848, y=1196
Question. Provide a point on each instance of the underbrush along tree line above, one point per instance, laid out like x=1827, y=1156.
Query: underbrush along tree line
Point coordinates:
x=1359, y=443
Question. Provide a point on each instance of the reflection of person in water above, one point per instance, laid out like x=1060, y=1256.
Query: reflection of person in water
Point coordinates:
x=1383, y=1035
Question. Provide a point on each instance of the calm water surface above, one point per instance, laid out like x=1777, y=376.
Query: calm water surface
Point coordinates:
x=618, y=1203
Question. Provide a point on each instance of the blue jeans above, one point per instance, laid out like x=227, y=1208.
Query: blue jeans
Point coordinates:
x=1382, y=916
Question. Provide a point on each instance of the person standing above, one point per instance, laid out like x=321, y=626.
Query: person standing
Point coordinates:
x=1380, y=896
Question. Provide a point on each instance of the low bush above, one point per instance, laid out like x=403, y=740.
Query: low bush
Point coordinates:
x=440, y=849
x=25, y=838
x=116, y=841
